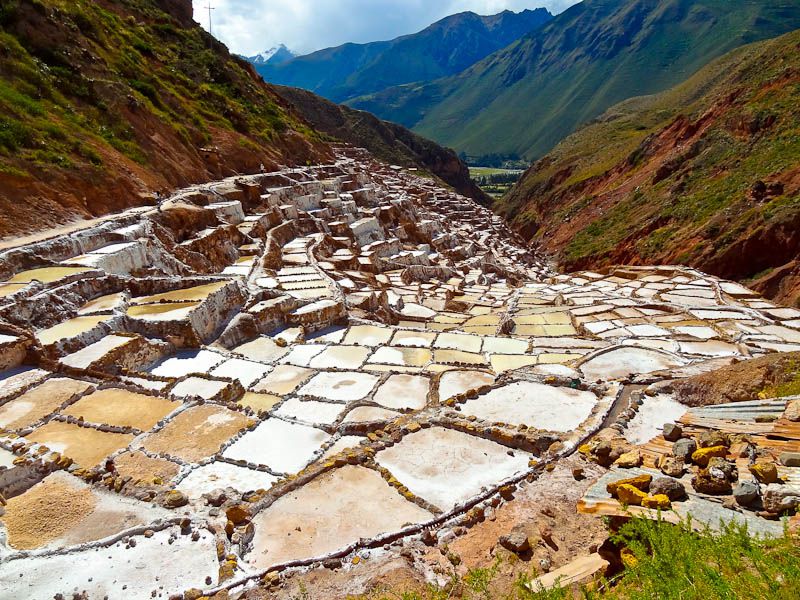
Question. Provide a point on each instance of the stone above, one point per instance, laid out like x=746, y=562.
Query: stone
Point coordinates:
x=640, y=482
x=671, y=466
x=175, y=499
x=238, y=514
x=684, y=448
x=216, y=497
x=746, y=493
x=711, y=438
x=765, y=472
x=792, y=412
x=666, y=486
x=779, y=499
x=629, y=460
x=658, y=501
x=192, y=594
x=790, y=459
x=517, y=541
x=724, y=466
x=630, y=496
x=704, y=482
x=702, y=456
x=672, y=432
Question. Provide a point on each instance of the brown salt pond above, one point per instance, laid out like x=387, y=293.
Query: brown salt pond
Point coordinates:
x=144, y=469
x=40, y=401
x=196, y=433
x=63, y=511
x=122, y=408
x=86, y=446
x=330, y=513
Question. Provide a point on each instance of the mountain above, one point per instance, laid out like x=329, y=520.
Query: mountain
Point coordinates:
x=389, y=142
x=445, y=48
x=705, y=174
x=103, y=103
x=526, y=98
x=276, y=55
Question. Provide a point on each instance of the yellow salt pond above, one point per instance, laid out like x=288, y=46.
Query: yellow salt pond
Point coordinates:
x=163, y=312
x=103, y=303
x=7, y=289
x=69, y=329
x=193, y=294
x=46, y=274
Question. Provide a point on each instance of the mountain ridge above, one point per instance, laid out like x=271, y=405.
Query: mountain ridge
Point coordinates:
x=525, y=98
x=445, y=47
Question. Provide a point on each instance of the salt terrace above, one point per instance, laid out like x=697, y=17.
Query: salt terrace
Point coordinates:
x=272, y=370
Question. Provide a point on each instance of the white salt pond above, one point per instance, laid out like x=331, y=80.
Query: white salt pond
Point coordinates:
x=453, y=383
x=621, y=363
x=534, y=404
x=344, y=386
x=403, y=392
x=221, y=475
x=116, y=572
x=186, y=362
x=446, y=467
x=333, y=511
x=283, y=447
x=310, y=411
x=652, y=415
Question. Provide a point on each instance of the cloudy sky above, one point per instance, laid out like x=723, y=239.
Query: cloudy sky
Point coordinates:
x=250, y=26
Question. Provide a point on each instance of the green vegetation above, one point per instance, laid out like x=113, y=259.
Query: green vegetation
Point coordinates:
x=495, y=182
x=528, y=97
x=85, y=80
x=664, y=562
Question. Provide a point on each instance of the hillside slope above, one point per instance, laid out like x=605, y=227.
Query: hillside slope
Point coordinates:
x=445, y=48
x=705, y=174
x=526, y=98
x=389, y=142
x=103, y=102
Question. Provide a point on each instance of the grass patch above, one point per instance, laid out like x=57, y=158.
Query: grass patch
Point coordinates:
x=664, y=562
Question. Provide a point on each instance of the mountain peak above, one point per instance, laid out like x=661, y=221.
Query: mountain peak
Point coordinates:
x=277, y=55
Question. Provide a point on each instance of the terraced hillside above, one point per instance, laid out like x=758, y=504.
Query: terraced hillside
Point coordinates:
x=706, y=174
x=526, y=98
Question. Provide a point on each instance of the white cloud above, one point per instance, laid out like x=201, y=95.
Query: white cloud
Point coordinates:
x=250, y=26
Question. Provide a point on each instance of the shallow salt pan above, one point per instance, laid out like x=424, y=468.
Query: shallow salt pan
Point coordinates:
x=245, y=371
x=623, y=362
x=534, y=404
x=221, y=475
x=281, y=446
x=458, y=382
x=446, y=467
x=344, y=386
x=403, y=392
x=117, y=572
x=310, y=411
x=332, y=512
x=186, y=362
x=651, y=417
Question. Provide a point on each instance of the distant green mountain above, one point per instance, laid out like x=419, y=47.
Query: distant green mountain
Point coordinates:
x=447, y=47
x=527, y=97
